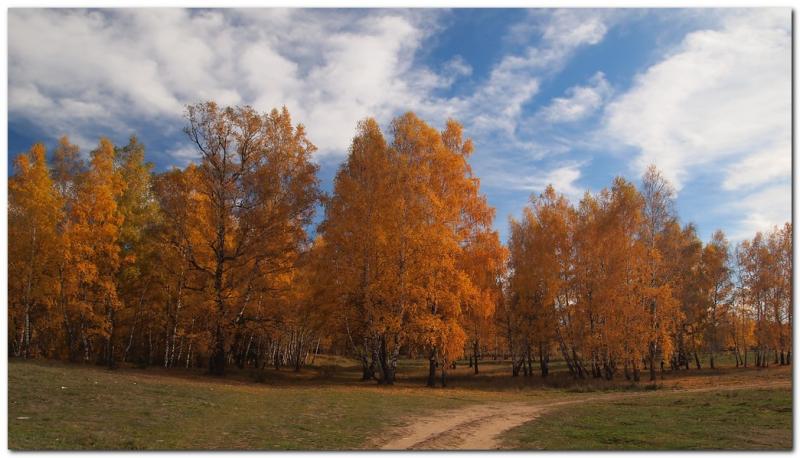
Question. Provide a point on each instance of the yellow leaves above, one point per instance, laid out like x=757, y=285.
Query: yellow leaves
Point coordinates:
x=34, y=211
x=406, y=256
x=590, y=271
x=408, y=236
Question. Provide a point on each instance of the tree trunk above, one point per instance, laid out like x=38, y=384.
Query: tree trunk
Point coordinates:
x=316, y=350
x=67, y=331
x=216, y=364
x=652, y=360
x=515, y=367
x=432, y=369
x=110, y=348
x=217, y=360
x=544, y=360
x=386, y=366
x=27, y=332
x=609, y=372
x=367, y=370
x=529, y=372
x=475, y=353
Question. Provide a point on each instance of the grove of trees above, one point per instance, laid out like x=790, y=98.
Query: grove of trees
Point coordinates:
x=616, y=284
x=217, y=264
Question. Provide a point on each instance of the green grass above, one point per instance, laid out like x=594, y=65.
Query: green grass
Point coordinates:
x=325, y=407
x=730, y=419
x=56, y=406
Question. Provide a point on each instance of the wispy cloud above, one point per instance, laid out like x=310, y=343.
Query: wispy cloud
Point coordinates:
x=516, y=79
x=761, y=166
x=580, y=101
x=761, y=210
x=563, y=177
x=724, y=94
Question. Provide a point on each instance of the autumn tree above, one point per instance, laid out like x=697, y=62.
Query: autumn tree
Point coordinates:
x=765, y=288
x=94, y=252
x=542, y=264
x=741, y=328
x=34, y=211
x=483, y=261
x=682, y=250
x=717, y=291
x=408, y=236
x=781, y=245
x=481, y=256
x=181, y=307
x=658, y=213
x=258, y=188
x=623, y=297
x=68, y=167
x=139, y=210
x=210, y=265
x=465, y=259
x=358, y=247
x=587, y=280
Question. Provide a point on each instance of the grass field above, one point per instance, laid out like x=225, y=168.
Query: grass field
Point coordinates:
x=729, y=419
x=58, y=406
x=66, y=407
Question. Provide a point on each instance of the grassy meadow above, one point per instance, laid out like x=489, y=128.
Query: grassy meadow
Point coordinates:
x=729, y=419
x=325, y=407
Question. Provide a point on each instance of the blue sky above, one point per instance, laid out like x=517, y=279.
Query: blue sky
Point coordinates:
x=570, y=97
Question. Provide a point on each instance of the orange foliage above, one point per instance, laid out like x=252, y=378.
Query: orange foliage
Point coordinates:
x=211, y=265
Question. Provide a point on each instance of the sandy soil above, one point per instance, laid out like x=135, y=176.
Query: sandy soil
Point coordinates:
x=481, y=427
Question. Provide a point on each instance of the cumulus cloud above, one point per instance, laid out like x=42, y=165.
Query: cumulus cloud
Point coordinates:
x=330, y=68
x=719, y=105
x=580, y=102
x=75, y=71
x=723, y=95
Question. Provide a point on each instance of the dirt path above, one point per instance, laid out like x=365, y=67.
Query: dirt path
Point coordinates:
x=481, y=427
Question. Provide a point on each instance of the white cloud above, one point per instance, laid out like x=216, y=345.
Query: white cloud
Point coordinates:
x=563, y=178
x=723, y=95
x=183, y=154
x=570, y=29
x=73, y=70
x=497, y=105
x=457, y=67
x=762, y=210
x=760, y=167
x=581, y=101
x=90, y=72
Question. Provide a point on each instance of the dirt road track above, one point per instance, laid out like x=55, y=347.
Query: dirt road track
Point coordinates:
x=481, y=427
